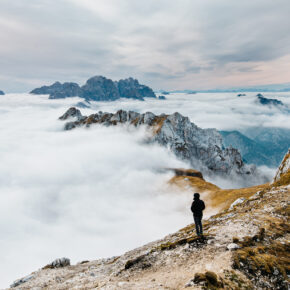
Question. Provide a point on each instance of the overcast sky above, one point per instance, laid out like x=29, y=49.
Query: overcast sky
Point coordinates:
x=166, y=44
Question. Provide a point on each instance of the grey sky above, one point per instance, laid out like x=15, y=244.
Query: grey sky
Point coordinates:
x=165, y=44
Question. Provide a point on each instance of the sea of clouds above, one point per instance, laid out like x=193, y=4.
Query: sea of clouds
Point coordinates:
x=97, y=192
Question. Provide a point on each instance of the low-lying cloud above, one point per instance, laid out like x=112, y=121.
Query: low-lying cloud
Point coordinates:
x=83, y=194
x=96, y=192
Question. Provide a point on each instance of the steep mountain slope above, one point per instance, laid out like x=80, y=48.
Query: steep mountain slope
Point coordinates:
x=253, y=152
x=246, y=246
x=98, y=88
x=277, y=140
x=201, y=147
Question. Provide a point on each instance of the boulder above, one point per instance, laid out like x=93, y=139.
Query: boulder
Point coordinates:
x=58, y=263
x=21, y=281
x=71, y=113
x=236, y=202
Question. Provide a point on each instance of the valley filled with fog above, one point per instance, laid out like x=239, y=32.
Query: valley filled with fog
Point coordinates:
x=99, y=191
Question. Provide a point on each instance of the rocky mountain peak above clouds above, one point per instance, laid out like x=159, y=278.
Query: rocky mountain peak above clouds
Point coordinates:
x=98, y=88
x=2, y=93
x=269, y=102
x=202, y=148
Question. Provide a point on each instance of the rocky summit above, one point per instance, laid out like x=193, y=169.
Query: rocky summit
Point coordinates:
x=98, y=88
x=2, y=93
x=245, y=246
x=202, y=148
x=269, y=102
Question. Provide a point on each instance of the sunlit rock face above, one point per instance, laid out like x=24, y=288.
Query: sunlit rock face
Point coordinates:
x=201, y=147
x=282, y=176
x=98, y=88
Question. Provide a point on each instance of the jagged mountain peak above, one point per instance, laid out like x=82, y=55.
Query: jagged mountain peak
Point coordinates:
x=202, y=148
x=98, y=88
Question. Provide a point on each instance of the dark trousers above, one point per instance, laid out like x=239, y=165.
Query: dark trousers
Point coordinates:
x=198, y=225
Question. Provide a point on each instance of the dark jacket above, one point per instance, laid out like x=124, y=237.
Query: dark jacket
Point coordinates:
x=197, y=207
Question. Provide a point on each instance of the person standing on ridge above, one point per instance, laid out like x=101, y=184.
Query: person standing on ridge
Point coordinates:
x=197, y=207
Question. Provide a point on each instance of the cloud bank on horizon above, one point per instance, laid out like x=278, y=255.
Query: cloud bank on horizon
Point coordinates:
x=166, y=44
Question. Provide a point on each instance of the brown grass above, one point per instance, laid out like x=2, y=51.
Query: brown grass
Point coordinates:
x=158, y=123
x=219, y=198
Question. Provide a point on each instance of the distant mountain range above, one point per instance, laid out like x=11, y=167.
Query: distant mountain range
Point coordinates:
x=258, y=145
x=262, y=88
x=98, y=88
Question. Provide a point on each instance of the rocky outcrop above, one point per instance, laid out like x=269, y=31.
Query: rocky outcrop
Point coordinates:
x=58, y=263
x=161, y=98
x=186, y=172
x=58, y=90
x=201, y=147
x=282, y=176
x=98, y=88
x=2, y=93
x=130, y=88
x=268, y=102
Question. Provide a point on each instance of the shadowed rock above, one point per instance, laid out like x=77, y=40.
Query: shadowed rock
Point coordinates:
x=58, y=263
x=98, y=88
x=2, y=93
x=265, y=101
x=58, y=90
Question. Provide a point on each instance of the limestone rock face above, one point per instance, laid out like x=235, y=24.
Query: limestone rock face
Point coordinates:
x=283, y=173
x=201, y=147
x=98, y=88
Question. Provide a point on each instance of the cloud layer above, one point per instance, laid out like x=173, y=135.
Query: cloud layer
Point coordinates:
x=166, y=44
x=83, y=194
x=97, y=192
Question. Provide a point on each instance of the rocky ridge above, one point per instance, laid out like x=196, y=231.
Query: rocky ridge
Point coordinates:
x=245, y=246
x=98, y=88
x=203, y=148
x=269, y=102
